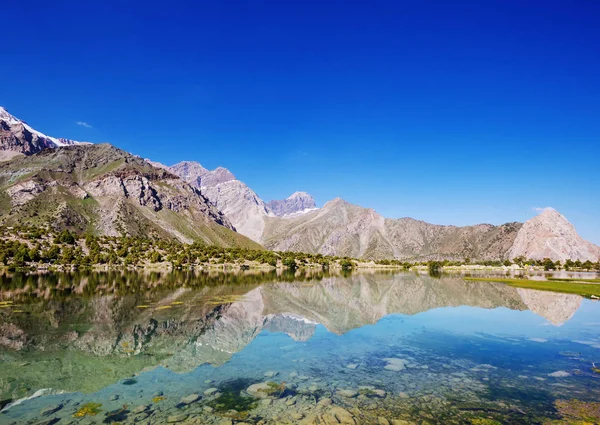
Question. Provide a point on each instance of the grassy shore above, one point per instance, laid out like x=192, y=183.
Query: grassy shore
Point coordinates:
x=585, y=289
x=566, y=279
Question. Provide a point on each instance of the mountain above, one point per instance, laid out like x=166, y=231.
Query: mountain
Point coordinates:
x=195, y=174
x=123, y=192
x=17, y=137
x=344, y=229
x=240, y=204
x=418, y=239
x=103, y=189
x=298, y=202
x=550, y=235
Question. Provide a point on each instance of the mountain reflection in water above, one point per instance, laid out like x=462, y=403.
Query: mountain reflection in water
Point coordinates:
x=62, y=338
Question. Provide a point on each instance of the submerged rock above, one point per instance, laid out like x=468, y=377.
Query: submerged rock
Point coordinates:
x=342, y=415
x=266, y=390
x=210, y=391
x=347, y=393
x=50, y=421
x=559, y=374
x=192, y=398
x=141, y=408
x=395, y=364
x=48, y=410
x=177, y=418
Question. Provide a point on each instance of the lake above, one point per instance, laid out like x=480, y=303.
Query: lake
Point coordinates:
x=272, y=348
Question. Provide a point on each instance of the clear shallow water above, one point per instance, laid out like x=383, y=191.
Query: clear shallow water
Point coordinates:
x=357, y=349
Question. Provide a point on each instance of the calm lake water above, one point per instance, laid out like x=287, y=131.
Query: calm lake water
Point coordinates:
x=359, y=349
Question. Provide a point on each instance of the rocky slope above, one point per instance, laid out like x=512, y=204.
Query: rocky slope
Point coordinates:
x=297, y=202
x=240, y=204
x=344, y=229
x=294, y=223
x=17, y=137
x=550, y=235
x=195, y=174
x=103, y=189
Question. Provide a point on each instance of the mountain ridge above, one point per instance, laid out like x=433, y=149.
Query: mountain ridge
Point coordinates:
x=339, y=228
x=105, y=190
x=18, y=136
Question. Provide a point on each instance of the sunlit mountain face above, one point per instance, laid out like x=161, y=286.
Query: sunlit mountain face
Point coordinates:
x=395, y=346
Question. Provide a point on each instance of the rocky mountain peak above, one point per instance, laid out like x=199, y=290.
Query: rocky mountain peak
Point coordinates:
x=336, y=202
x=217, y=176
x=297, y=202
x=299, y=195
x=6, y=116
x=18, y=137
x=190, y=171
x=551, y=235
x=195, y=174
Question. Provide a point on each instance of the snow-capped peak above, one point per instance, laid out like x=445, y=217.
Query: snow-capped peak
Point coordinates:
x=12, y=120
x=6, y=116
x=299, y=195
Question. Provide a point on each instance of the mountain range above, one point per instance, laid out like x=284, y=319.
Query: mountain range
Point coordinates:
x=104, y=189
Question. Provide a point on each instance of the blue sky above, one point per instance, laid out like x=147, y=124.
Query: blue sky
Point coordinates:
x=452, y=112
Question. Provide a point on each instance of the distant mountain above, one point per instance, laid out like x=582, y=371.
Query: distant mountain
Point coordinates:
x=298, y=202
x=194, y=173
x=64, y=187
x=240, y=204
x=17, y=137
x=109, y=191
x=550, y=235
x=344, y=229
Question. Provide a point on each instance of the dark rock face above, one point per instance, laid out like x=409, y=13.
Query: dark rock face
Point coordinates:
x=17, y=138
x=297, y=202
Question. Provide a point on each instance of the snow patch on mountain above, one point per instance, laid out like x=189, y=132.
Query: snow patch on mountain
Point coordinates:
x=11, y=120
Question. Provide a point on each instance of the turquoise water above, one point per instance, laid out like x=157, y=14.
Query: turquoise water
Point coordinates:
x=365, y=348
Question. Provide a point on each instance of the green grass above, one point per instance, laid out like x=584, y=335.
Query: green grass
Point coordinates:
x=562, y=279
x=584, y=289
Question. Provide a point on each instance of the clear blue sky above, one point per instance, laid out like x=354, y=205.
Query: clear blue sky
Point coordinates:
x=454, y=112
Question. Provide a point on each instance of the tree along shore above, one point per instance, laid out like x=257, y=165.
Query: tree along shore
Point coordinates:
x=29, y=247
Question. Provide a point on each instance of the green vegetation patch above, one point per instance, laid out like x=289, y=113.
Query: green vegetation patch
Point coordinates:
x=579, y=412
x=88, y=409
x=273, y=389
x=584, y=289
x=561, y=279
x=231, y=399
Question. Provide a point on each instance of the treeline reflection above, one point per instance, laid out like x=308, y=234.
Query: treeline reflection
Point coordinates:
x=17, y=285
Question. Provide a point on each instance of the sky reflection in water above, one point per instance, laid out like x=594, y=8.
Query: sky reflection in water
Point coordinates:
x=411, y=347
